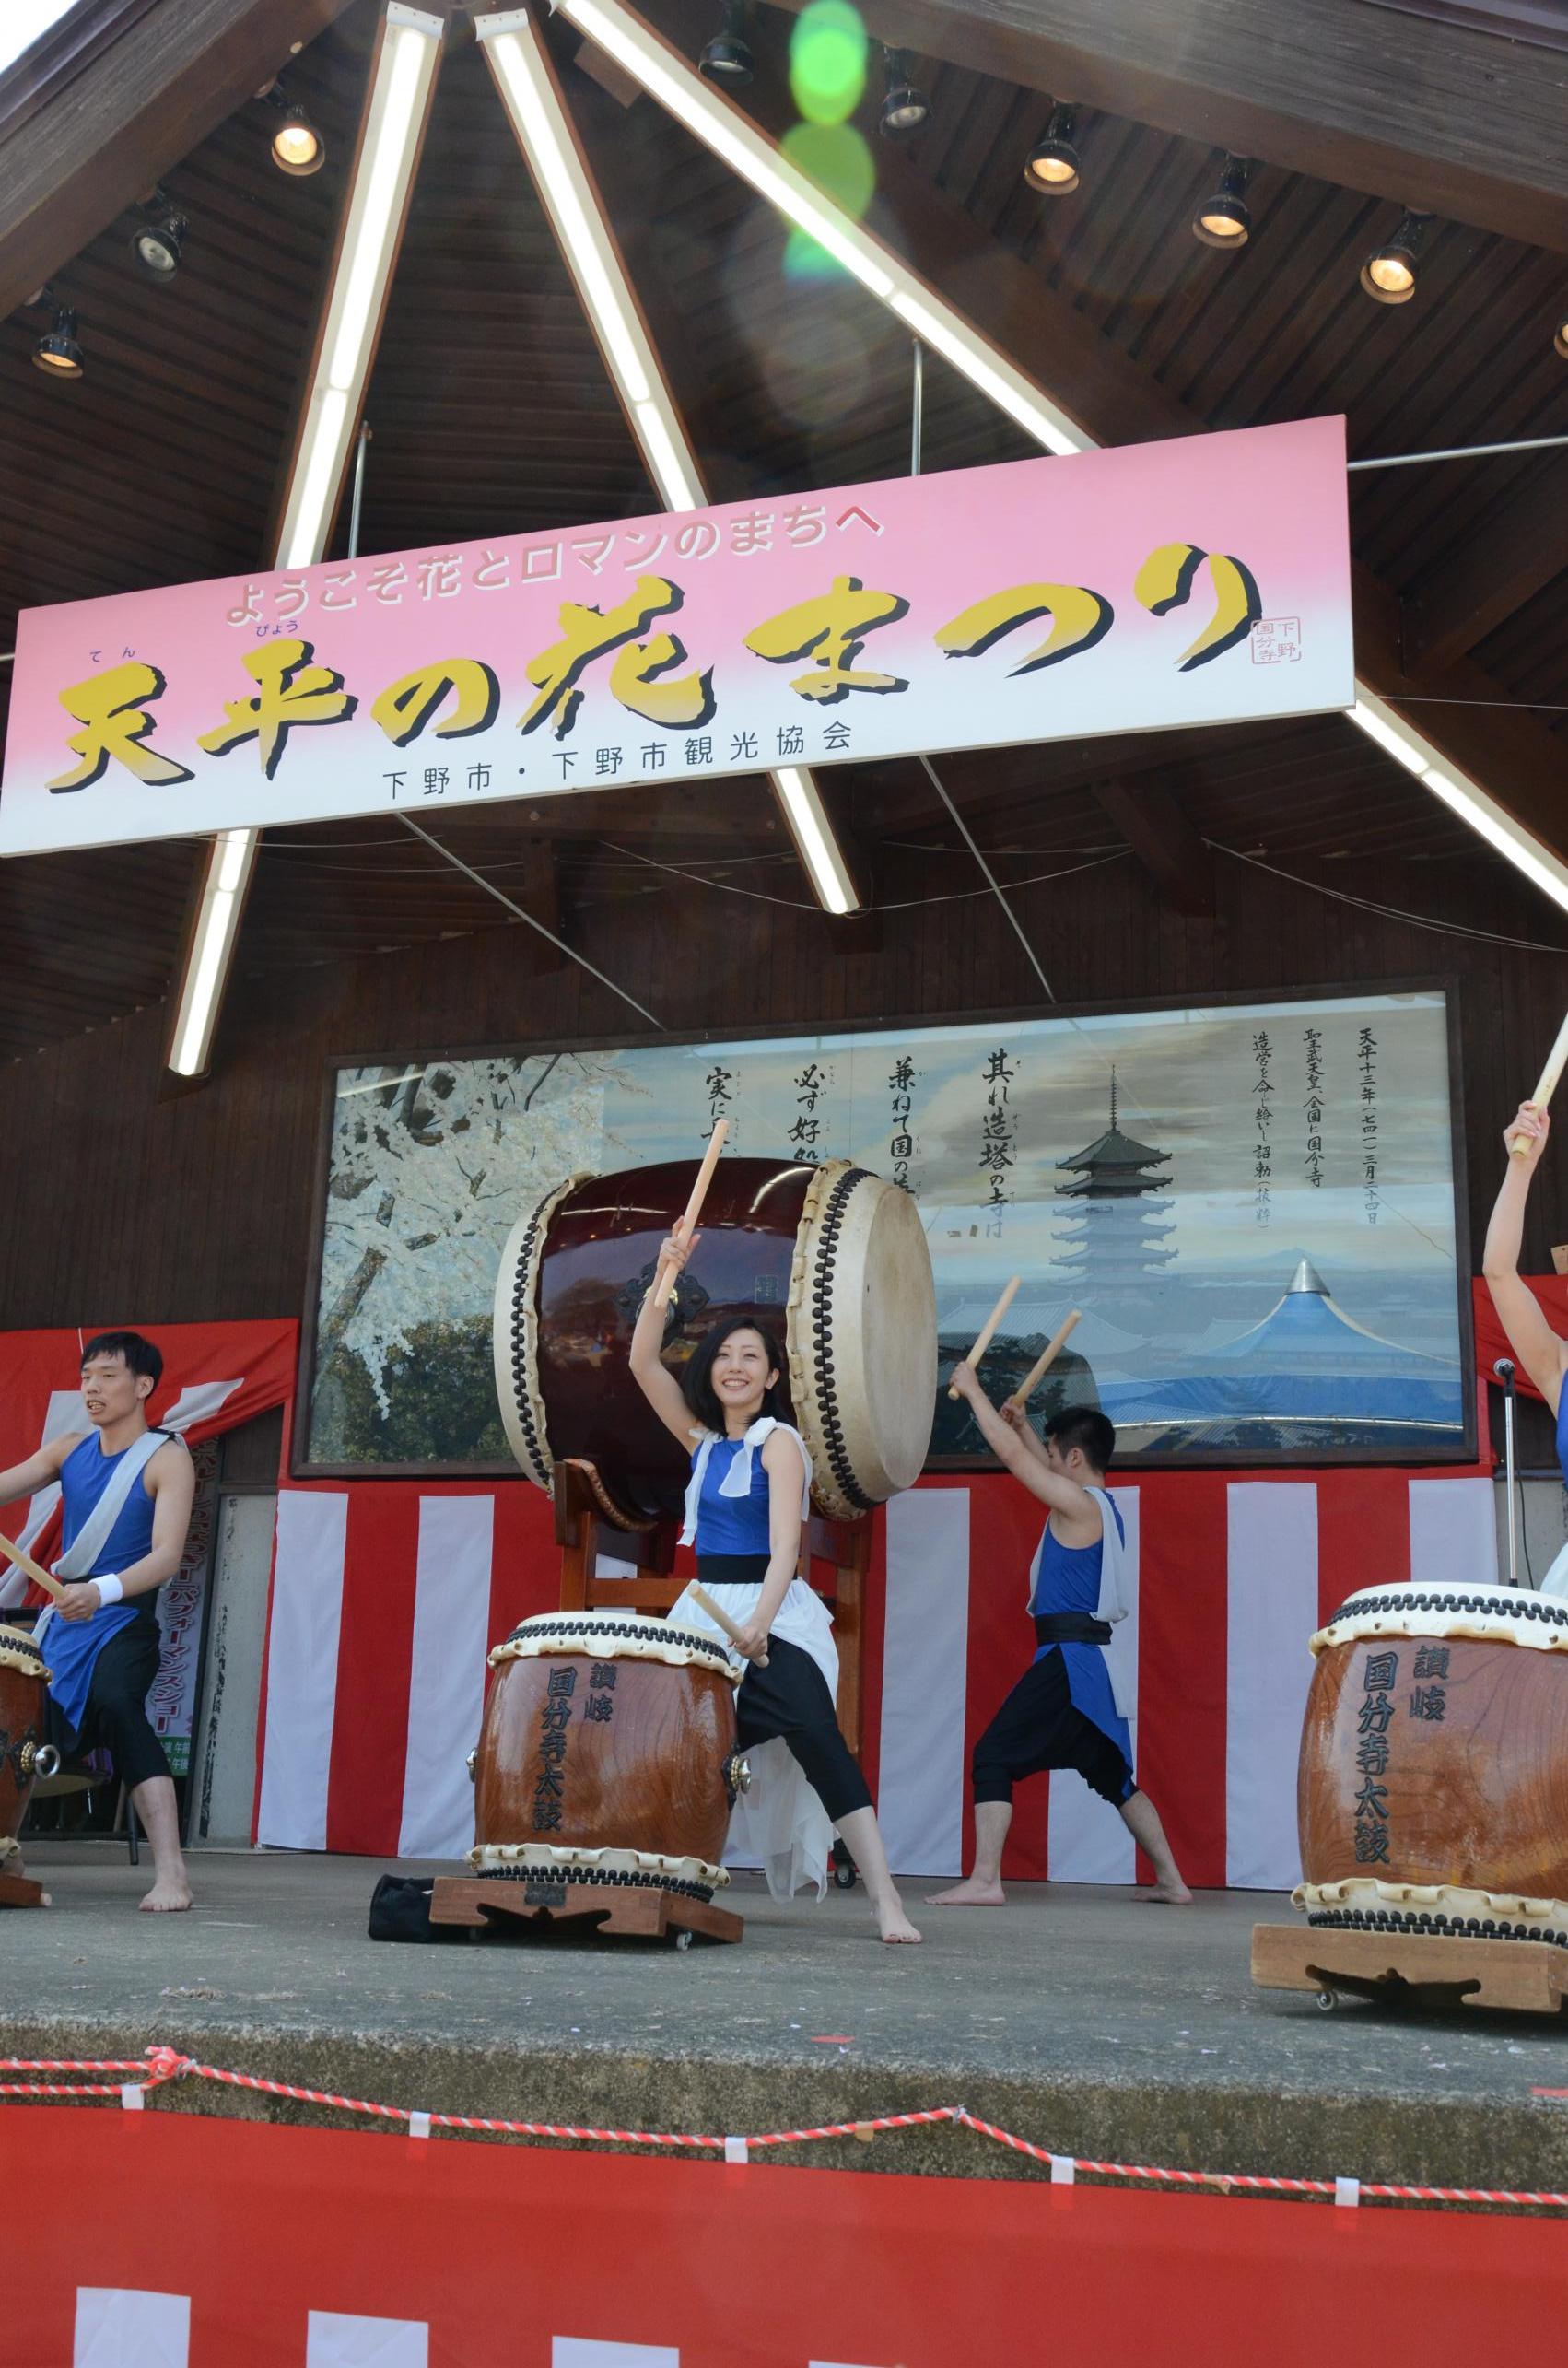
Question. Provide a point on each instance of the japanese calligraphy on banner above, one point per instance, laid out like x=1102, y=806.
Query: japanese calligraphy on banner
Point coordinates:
x=1193, y=582
x=1254, y=1281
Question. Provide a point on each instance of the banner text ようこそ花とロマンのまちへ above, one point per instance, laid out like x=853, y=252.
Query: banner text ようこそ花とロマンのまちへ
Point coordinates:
x=1199, y=581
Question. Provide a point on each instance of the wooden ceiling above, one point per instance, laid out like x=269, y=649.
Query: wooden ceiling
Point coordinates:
x=491, y=413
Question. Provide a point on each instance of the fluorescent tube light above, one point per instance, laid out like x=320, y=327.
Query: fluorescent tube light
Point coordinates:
x=228, y=860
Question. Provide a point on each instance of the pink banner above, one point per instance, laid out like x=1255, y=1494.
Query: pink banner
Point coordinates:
x=1199, y=581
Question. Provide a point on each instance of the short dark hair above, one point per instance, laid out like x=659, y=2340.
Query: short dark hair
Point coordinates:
x=141, y=1357
x=1086, y=1427
x=696, y=1382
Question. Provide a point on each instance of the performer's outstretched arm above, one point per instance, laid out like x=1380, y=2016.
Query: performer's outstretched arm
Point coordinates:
x=1040, y=1478
x=1540, y=1350
x=658, y=1384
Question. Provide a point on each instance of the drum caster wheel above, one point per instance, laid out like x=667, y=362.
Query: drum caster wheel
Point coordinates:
x=845, y=1874
x=1327, y=2001
x=683, y=1940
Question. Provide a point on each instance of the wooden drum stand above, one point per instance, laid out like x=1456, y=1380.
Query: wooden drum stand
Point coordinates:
x=588, y=1526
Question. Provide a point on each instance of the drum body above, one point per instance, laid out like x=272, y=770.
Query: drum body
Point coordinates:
x=23, y=1726
x=829, y=1258
x=1433, y=1794
x=607, y=1751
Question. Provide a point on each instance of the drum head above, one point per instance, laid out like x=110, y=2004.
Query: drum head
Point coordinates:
x=862, y=1332
x=1486, y=1613
x=611, y=1636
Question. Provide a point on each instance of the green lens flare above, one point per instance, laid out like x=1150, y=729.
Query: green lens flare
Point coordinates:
x=837, y=159
x=827, y=60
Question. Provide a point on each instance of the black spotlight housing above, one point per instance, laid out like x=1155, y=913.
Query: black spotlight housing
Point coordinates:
x=1389, y=276
x=57, y=353
x=1053, y=164
x=728, y=58
x=298, y=147
x=905, y=109
x=1223, y=219
x=158, y=239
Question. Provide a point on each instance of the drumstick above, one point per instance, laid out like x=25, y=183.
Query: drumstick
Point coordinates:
x=989, y=1327
x=24, y=1561
x=1047, y=1358
x=1556, y=1060
x=688, y=1225
x=717, y=1613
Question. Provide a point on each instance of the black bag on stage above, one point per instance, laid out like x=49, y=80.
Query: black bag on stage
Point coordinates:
x=400, y=1910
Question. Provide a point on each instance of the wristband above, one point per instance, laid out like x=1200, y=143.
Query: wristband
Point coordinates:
x=109, y=1590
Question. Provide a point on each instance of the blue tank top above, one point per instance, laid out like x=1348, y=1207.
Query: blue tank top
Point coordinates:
x=1067, y=1578
x=84, y=1474
x=732, y=1525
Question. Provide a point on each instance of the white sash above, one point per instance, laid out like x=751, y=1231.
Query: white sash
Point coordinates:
x=93, y=1535
x=1556, y=1580
x=737, y=1481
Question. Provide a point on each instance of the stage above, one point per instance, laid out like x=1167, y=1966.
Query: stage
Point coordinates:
x=1084, y=2019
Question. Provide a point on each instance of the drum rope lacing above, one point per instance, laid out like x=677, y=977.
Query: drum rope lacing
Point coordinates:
x=163, y=2064
x=1407, y=1919
x=526, y=1406
x=822, y=1323
x=615, y=1878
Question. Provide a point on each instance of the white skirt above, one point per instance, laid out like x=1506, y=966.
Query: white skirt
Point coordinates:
x=781, y=1825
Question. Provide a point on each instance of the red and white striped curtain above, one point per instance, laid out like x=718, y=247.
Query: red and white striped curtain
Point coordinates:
x=388, y=1595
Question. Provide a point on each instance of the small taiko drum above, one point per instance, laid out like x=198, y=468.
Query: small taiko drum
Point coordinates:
x=24, y=1755
x=830, y=1259
x=607, y=1755
x=1433, y=1786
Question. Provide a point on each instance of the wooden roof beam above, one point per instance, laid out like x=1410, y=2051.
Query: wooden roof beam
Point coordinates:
x=1164, y=842
x=1440, y=116
x=1513, y=557
x=160, y=78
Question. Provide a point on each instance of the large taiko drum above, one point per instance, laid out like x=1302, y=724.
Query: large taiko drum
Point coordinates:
x=830, y=1259
x=24, y=1755
x=607, y=1753
x=1433, y=1784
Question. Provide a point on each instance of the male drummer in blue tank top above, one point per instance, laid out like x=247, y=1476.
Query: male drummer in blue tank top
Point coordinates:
x=1063, y=1712
x=127, y=1493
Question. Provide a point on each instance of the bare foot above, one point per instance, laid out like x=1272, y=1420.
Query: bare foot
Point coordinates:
x=892, y=1924
x=969, y=1895
x=1165, y=1894
x=170, y=1896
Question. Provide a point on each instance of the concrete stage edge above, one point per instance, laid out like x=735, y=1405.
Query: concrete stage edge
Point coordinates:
x=1087, y=2020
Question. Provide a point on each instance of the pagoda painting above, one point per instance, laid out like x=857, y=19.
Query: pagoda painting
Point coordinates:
x=1117, y=1220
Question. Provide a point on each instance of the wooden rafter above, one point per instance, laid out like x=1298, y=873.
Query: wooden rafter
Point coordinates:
x=159, y=79
x=1514, y=556
x=1440, y=116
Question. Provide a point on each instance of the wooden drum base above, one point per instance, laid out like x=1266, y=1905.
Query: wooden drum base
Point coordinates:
x=642, y=1912
x=20, y=1890
x=1425, y=1968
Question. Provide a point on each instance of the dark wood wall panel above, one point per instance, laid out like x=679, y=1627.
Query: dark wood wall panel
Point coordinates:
x=119, y=1205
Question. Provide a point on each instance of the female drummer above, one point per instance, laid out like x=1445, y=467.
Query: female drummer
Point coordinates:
x=1541, y=1352
x=746, y=1506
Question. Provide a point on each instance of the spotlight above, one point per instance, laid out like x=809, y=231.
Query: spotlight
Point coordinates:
x=57, y=352
x=904, y=109
x=159, y=238
x=1560, y=342
x=1389, y=276
x=1053, y=167
x=728, y=58
x=1223, y=219
x=298, y=147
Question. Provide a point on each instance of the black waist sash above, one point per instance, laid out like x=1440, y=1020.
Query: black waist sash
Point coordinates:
x=733, y=1570
x=1071, y=1628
